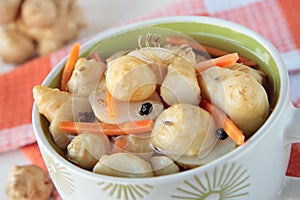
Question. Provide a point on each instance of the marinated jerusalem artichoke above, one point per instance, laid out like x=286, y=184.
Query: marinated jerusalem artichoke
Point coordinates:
x=34, y=27
x=239, y=94
x=184, y=129
x=153, y=111
x=87, y=148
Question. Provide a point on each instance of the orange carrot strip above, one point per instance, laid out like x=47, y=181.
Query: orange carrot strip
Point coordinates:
x=110, y=105
x=248, y=63
x=221, y=61
x=219, y=52
x=226, y=60
x=119, y=145
x=69, y=66
x=136, y=127
x=215, y=52
x=95, y=56
x=80, y=127
x=227, y=124
x=125, y=128
x=180, y=41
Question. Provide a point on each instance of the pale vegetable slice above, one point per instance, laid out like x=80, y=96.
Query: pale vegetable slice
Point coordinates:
x=69, y=111
x=163, y=55
x=221, y=148
x=154, y=55
x=160, y=58
x=238, y=94
x=258, y=75
x=130, y=79
x=178, y=81
x=184, y=129
x=101, y=87
x=163, y=165
x=139, y=145
x=49, y=100
x=183, y=51
x=123, y=165
x=86, y=76
x=160, y=71
x=180, y=84
x=124, y=111
x=87, y=148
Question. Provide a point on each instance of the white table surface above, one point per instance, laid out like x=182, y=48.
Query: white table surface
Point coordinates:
x=100, y=15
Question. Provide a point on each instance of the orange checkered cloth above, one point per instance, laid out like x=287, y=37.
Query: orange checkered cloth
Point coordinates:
x=276, y=20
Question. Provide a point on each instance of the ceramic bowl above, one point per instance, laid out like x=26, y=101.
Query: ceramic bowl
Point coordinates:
x=255, y=170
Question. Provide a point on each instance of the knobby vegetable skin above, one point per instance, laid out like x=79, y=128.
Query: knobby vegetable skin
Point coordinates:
x=238, y=94
x=153, y=109
x=184, y=129
x=130, y=79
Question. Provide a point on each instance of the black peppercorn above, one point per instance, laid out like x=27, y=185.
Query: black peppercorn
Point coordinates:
x=221, y=134
x=86, y=116
x=146, y=109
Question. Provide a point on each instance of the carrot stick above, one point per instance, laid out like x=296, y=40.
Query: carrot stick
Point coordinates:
x=226, y=60
x=180, y=41
x=219, y=52
x=227, y=124
x=110, y=105
x=221, y=61
x=95, y=56
x=69, y=67
x=215, y=52
x=125, y=128
x=119, y=145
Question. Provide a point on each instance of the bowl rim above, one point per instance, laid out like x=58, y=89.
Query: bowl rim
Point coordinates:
x=283, y=98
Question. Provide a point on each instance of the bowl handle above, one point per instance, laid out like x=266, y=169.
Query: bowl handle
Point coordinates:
x=292, y=184
x=290, y=189
x=292, y=131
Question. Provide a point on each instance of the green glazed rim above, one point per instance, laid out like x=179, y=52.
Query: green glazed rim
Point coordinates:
x=220, y=37
x=208, y=34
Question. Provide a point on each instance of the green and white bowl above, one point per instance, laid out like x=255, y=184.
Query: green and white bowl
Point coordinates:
x=255, y=170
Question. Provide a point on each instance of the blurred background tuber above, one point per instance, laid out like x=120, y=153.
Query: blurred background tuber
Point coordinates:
x=31, y=28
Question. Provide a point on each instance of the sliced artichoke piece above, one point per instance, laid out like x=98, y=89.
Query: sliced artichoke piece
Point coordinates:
x=258, y=75
x=221, y=148
x=184, y=129
x=180, y=84
x=87, y=148
x=49, y=100
x=123, y=165
x=69, y=111
x=124, y=110
x=139, y=145
x=163, y=165
x=85, y=77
